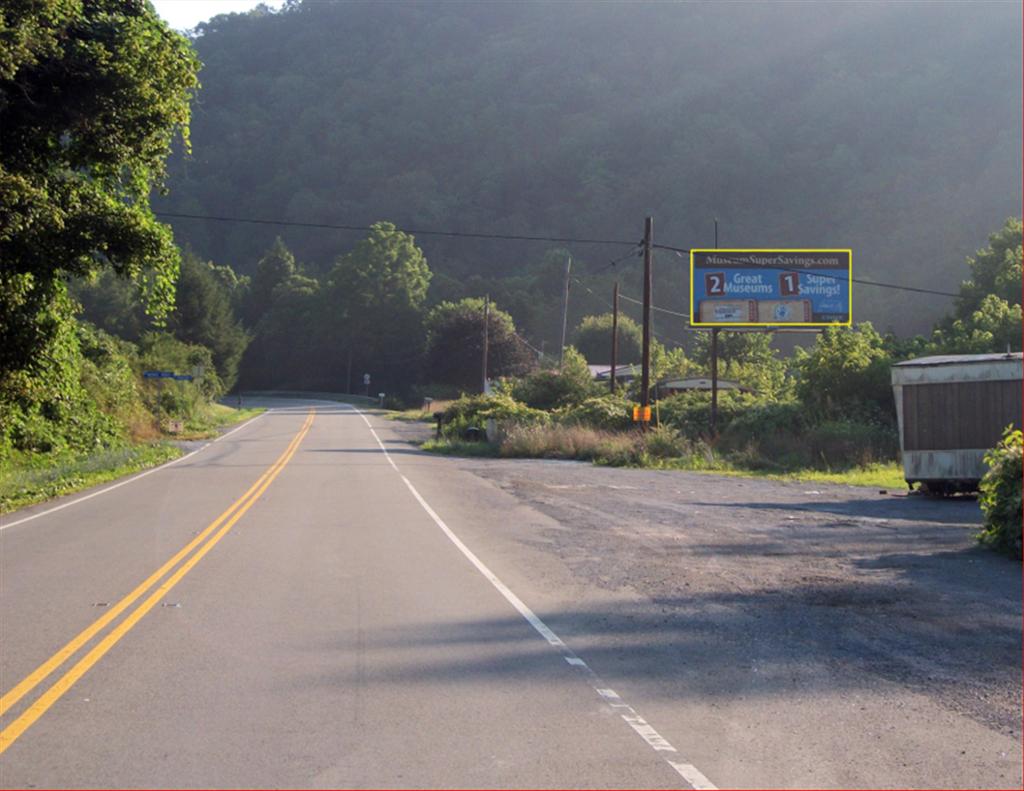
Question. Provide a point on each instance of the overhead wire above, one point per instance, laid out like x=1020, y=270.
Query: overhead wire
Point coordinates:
x=413, y=231
x=860, y=281
x=534, y=238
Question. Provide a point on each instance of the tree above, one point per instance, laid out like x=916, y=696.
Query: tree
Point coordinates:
x=551, y=389
x=454, y=354
x=593, y=339
x=846, y=371
x=203, y=315
x=275, y=267
x=747, y=357
x=113, y=304
x=288, y=349
x=987, y=313
x=995, y=270
x=374, y=305
x=91, y=96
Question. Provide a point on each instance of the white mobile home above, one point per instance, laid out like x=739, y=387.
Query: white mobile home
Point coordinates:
x=951, y=410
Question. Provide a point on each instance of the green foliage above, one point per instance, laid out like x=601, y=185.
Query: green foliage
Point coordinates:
x=288, y=347
x=1000, y=494
x=373, y=301
x=608, y=412
x=690, y=412
x=475, y=410
x=995, y=271
x=203, y=315
x=846, y=372
x=745, y=357
x=593, y=339
x=479, y=117
x=570, y=442
x=91, y=95
x=386, y=272
x=109, y=374
x=454, y=353
x=664, y=442
x=172, y=398
x=552, y=389
x=987, y=315
x=276, y=267
x=45, y=407
x=113, y=304
x=27, y=478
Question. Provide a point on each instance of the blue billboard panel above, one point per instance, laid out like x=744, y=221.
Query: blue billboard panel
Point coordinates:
x=770, y=288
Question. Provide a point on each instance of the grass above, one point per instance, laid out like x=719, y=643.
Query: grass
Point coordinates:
x=881, y=476
x=419, y=415
x=32, y=478
x=213, y=418
x=660, y=449
x=458, y=447
x=28, y=478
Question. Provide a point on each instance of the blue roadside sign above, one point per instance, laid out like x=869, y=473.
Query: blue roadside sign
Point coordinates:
x=183, y=377
x=158, y=374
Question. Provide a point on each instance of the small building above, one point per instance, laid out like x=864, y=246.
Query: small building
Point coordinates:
x=670, y=387
x=624, y=372
x=951, y=409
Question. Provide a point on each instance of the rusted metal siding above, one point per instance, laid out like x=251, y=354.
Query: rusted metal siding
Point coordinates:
x=954, y=415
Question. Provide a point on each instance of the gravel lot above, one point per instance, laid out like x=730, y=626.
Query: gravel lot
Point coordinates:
x=847, y=585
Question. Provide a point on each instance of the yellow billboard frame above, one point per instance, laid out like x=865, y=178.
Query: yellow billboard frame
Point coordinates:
x=694, y=322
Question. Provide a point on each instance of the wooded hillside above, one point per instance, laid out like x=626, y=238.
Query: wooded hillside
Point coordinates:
x=892, y=129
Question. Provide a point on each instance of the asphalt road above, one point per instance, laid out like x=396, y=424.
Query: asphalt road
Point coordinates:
x=292, y=606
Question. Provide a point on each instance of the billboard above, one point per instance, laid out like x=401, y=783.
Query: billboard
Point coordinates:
x=770, y=288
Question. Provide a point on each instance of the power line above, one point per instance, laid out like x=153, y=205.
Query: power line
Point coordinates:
x=615, y=262
x=532, y=238
x=655, y=307
x=660, y=335
x=861, y=281
x=414, y=231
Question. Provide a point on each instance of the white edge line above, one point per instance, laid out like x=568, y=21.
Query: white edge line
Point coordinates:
x=692, y=775
x=132, y=479
x=688, y=772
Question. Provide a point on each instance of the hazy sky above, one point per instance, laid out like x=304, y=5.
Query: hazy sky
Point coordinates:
x=185, y=14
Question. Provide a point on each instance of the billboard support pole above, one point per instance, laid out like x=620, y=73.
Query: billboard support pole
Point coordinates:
x=487, y=321
x=645, y=377
x=714, y=381
x=615, y=332
x=714, y=365
x=565, y=312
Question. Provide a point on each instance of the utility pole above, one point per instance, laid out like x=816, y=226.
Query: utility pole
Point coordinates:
x=645, y=377
x=348, y=382
x=615, y=331
x=487, y=321
x=714, y=365
x=565, y=312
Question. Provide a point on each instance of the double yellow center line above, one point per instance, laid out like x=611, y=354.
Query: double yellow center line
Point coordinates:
x=213, y=533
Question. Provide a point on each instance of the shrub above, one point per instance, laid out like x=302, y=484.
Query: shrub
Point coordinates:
x=608, y=412
x=690, y=413
x=1000, y=494
x=846, y=373
x=553, y=389
x=476, y=410
x=665, y=442
x=173, y=398
x=842, y=444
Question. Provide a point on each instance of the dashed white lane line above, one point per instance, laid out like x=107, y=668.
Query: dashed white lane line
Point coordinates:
x=644, y=729
x=126, y=481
